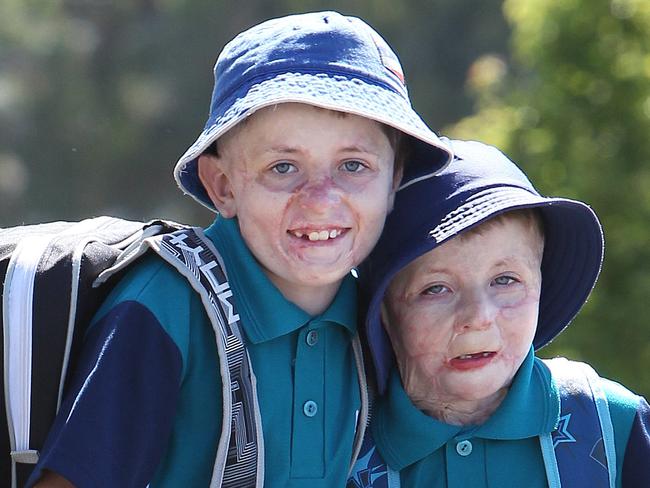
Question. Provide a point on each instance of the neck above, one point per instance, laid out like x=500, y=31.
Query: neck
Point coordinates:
x=313, y=300
x=460, y=412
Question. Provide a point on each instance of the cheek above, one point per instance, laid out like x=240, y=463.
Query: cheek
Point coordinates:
x=371, y=195
x=519, y=325
x=420, y=335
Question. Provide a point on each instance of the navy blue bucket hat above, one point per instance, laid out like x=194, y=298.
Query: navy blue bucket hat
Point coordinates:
x=323, y=59
x=482, y=182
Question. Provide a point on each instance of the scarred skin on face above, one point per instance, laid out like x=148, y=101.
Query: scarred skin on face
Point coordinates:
x=310, y=188
x=462, y=318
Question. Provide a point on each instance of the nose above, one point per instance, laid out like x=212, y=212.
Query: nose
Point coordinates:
x=319, y=194
x=476, y=312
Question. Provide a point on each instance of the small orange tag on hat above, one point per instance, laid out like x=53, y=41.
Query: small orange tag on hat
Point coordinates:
x=388, y=58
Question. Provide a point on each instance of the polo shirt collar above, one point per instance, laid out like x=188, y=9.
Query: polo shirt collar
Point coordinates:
x=531, y=407
x=265, y=313
x=405, y=435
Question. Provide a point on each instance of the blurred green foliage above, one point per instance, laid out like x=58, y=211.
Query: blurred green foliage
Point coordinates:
x=573, y=109
x=99, y=98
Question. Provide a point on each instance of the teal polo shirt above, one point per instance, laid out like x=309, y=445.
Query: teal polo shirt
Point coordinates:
x=306, y=375
x=307, y=383
x=503, y=452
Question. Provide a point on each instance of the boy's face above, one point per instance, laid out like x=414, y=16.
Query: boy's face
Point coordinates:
x=462, y=317
x=310, y=188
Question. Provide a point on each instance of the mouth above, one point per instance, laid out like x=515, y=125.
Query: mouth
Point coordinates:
x=478, y=355
x=472, y=361
x=316, y=235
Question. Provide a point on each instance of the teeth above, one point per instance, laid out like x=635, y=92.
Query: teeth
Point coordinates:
x=470, y=356
x=319, y=235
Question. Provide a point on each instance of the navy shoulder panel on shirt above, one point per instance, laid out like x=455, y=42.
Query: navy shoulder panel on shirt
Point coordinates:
x=117, y=414
x=155, y=284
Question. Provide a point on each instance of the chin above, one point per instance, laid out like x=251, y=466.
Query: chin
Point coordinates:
x=477, y=389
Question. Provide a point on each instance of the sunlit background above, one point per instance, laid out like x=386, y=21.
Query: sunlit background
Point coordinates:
x=98, y=98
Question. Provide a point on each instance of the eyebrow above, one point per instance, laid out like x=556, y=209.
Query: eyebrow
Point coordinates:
x=284, y=149
x=435, y=270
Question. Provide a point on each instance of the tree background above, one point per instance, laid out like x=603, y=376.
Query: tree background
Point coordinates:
x=98, y=99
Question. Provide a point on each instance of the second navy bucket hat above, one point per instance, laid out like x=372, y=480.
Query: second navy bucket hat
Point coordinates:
x=323, y=59
x=480, y=183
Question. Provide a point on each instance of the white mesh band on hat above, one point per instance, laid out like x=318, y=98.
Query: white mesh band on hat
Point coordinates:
x=322, y=59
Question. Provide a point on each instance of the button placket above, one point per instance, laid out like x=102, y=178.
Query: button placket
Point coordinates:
x=307, y=452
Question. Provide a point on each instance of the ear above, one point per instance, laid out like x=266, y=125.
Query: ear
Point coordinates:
x=397, y=179
x=398, y=173
x=216, y=182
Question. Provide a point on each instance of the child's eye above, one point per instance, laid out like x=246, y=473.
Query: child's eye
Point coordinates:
x=504, y=280
x=435, y=290
x=353, y=166
x=284, y=167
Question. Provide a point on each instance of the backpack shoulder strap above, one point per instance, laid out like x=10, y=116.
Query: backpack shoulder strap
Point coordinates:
x=584, y=436
x=240, y=453
x=47, y=303
x=370, y=470
x=363, y=417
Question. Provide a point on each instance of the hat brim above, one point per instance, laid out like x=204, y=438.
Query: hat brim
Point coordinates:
x=339, y=93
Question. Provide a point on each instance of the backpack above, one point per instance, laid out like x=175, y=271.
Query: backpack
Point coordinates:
x=56, y=276
x=584, y=437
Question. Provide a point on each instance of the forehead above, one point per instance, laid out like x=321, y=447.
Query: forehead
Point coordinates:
x=299, y=117
x=506, y=239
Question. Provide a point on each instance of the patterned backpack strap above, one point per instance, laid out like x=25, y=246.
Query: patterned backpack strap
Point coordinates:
x=580, y=452
x=240, y=453
x=370, y=470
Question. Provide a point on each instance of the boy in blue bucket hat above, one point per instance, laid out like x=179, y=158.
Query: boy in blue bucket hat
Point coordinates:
x=309, y=124
x=474, y=272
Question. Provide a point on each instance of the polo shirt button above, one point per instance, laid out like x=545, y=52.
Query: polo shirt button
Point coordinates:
x=310, y=408
x=312, y=337
x=464, y=448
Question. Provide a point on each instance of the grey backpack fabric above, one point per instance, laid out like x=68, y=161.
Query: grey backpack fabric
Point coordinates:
x=54, y=278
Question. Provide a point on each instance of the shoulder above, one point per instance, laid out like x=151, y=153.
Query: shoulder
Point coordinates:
x=619, y=397
x=150, y=281
x=154, y=286
x=569, y=375
x=629, y=414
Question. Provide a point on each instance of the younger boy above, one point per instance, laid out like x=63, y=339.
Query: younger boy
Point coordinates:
x=474, y=272
x=297, y=156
